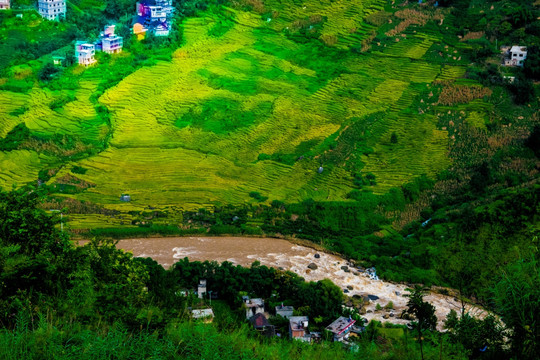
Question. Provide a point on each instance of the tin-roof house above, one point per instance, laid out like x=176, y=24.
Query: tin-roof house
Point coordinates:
x=85, y=52
x=341, y=328
x=206, y=315
x=285, y=311
x=262, y=325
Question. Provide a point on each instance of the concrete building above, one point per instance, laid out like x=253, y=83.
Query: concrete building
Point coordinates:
x=254, y=307
x=201, y=288
x=298, y=328
x=262, y=325
x=341, y=328
x=153, y=16
x=514, y=56
x=85, y=53
x=109, y=42
x=285, y=311
x=5, y=4
x=52, y=9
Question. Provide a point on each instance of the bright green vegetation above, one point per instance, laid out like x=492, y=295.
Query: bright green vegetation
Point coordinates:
x=58, y=301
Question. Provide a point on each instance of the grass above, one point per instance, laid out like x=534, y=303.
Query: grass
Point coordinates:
x=248, y=106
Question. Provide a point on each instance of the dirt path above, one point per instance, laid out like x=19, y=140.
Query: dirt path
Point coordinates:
x=281, y=253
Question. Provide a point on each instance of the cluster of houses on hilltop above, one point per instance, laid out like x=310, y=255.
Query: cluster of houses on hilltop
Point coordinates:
x=108, y=42
x=153, y=17
x=341, y=328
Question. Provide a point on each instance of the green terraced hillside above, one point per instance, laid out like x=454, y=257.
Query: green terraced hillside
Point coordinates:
x=254, y=101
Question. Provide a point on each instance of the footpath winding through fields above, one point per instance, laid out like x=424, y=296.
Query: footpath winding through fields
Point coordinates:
x=283, y=254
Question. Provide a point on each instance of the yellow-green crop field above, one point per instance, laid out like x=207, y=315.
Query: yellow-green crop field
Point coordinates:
x=242, y=107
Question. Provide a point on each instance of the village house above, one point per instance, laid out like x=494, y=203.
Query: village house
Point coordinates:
x=201, y=288
x=285, y=311
x=109, y=42
x=85, y=52
x=206, y=315
x=341, y=328
x=58, y=60
x=153, y=16
x=52, y=9
x=298, y=328
x=5, y=4
x=253, y=307
x=514, y=56
x=262, y=325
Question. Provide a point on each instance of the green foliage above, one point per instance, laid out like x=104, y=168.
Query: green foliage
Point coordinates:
x=517, y=296
x=15, y=137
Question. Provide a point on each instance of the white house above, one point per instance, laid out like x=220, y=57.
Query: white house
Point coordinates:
x=341, y=328
x=298, y=328
x=201, y=289
x=52, y=9
x=514, y=56
x=285, y=311
x=254, y=307
x=85, y=52
x=154, y=16
x=5, y=4
x=109, y=42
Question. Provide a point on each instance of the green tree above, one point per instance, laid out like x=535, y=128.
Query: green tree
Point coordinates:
x=517, y=296
x=423, y=313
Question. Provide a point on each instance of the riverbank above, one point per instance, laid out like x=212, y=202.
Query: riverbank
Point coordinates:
x=287, y=255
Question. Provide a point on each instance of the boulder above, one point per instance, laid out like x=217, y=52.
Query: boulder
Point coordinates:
x=373, y=297
x=350, y=287
x=313, y=266
x=385, y=316
x=317, y=256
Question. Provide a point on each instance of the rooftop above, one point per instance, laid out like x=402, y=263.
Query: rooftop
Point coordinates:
x=202, y=313
x=297, y=322
x=254, y=302
x=516, y=48
x=340, y=325
x=259, y=320
x=284, y=308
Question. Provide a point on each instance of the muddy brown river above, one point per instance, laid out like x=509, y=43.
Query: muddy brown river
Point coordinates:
x=281, y=253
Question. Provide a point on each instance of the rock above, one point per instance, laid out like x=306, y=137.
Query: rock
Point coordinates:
x=365, y=298
x=369, y=311
x=313, y=266
x=385, y=316
x=373, y=297
x=392, y=315
x=350, y=287
x=308, y=271
x=317, y=256
x=345, y=268
x=346, y=291
x=281, y=268
x=362, y=311
x=356, y=273
x=398, y=293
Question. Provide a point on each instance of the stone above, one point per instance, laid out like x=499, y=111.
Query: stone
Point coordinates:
x=313, y=266
x=350, y=287
x=385, y=316
x=373, y=297
x=317, y=256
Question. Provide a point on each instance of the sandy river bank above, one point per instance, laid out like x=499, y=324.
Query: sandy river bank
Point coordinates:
x=281, y=253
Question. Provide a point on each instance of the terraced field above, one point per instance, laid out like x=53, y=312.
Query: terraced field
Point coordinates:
x=245, y=107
